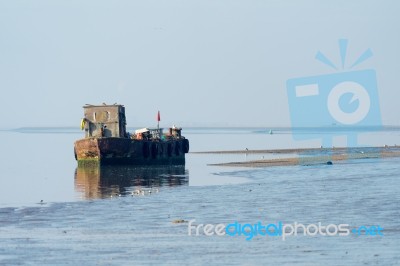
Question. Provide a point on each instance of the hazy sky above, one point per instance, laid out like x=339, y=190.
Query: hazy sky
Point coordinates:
x=206, y=62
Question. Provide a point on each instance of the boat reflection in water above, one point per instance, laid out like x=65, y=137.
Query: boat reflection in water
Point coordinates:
x=95, y=182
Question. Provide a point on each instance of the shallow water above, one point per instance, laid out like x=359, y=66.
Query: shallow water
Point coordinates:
x=90, y=217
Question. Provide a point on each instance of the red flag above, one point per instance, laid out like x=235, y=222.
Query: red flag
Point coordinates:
x=158, y=117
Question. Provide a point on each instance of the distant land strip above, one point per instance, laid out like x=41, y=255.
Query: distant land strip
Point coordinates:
x=297, y=150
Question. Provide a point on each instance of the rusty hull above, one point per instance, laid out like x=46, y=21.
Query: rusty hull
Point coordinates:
x=113, y=150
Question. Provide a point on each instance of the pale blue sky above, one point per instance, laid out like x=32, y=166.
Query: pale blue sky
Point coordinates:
x=206, y=62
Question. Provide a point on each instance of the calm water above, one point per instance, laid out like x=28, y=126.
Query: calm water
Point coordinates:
x=89, y=217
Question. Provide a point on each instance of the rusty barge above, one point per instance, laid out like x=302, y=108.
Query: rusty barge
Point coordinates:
x=107, y=142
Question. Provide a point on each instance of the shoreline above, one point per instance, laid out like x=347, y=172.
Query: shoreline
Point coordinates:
x=337, y=156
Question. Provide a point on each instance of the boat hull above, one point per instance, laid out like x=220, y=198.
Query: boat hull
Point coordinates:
x=112, y=150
